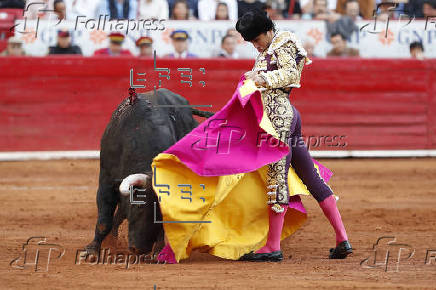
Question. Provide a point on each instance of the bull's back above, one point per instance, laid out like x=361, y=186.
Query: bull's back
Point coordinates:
x=138, y=132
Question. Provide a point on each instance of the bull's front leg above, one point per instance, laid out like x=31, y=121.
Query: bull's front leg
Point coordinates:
x=119, y=217
x=107, y=199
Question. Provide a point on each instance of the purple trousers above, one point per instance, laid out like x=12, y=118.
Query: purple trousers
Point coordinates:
x=302, y=163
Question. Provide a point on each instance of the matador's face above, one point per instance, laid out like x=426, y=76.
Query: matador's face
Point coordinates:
x=263, y=40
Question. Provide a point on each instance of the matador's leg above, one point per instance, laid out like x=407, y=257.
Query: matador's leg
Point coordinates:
x=280, y=113
x=304, y=167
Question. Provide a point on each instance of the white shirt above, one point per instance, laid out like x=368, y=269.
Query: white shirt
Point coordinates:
x=81, y=7
x=182, y=55
x=73, y=8
x=103, y=8
x=207, y=9
x=153, y=9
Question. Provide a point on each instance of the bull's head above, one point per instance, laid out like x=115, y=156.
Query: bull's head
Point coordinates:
x=144, y=233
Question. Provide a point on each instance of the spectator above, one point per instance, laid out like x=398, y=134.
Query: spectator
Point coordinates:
x=244, y=49
x=116, y=40
x=307, y=6
x=340, y=47
x=276, y=8
x=193, y=7
x=278, y=5
x=207, y=8
x=181, y=11
x=345, y=24
x=322, y=12
x=64, y=9
x=292, y=9
x=274, y=14
x=59, y=9
x=145, y=45
x=85, y=8
x=12, y=4
x=428, y=9
x=352, y=10
x=416, y=7
x=228, y=47
x=180, y=43
x=153, y=9
x=35, y=9
x=222, y=11
x=64, y=45
x=309, y=47
x=233, y=32
x=118, y=9
x=417, y=50
x=366, y=8
x=14, y=47
x=247, y=5
x=386, y=10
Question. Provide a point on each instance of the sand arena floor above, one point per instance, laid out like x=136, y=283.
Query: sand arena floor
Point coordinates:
x=379, y=198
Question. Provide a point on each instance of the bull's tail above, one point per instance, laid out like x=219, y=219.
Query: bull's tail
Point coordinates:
x=204, y=114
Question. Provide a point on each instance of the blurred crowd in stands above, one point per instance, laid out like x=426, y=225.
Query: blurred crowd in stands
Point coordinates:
x=339, y=16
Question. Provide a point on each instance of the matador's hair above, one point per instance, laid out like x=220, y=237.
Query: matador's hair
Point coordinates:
x=253, y=23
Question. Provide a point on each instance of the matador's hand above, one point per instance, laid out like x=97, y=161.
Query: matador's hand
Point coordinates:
x=250, y=74
x=256, y=78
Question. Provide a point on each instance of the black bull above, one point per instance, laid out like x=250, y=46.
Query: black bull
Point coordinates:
x=140, y=129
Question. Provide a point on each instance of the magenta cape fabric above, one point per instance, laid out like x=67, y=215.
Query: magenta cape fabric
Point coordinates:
x=232, y=142
x=227, y=142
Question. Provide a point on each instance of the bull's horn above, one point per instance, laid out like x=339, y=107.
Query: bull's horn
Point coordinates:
x=138, y=179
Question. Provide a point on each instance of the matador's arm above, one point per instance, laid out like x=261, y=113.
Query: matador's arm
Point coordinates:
x=287, y=73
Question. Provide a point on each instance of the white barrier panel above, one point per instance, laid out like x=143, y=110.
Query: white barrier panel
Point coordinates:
x=372, y=40
x=56, y=155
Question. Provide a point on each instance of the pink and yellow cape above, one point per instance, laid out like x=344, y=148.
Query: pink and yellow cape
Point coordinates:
x=212, y=183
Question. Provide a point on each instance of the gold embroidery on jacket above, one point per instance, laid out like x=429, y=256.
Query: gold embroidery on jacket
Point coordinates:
x=276, y=104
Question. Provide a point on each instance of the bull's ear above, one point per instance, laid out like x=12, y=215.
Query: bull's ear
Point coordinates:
x=139, y=179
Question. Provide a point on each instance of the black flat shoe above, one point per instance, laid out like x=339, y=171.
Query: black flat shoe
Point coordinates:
x=341, y=251
x=275, y=256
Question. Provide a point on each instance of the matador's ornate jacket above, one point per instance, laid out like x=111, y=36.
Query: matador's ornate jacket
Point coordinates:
x=280, y=65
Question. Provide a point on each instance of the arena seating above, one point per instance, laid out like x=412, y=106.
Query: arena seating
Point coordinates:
x=7, y=20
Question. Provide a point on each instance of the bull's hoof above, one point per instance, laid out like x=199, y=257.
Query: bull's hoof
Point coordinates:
x=157, y=247
x=93, y=248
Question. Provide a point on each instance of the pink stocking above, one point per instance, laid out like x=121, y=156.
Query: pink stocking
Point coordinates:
x=331, y=211
x=167, y=255
x=274, y=231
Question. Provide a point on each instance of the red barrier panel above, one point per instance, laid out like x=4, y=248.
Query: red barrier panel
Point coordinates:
x=64, y=103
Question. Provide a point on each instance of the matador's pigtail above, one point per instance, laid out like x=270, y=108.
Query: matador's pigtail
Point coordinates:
x=307, y=60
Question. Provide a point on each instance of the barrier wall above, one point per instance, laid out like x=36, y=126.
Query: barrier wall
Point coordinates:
x=64, y=103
